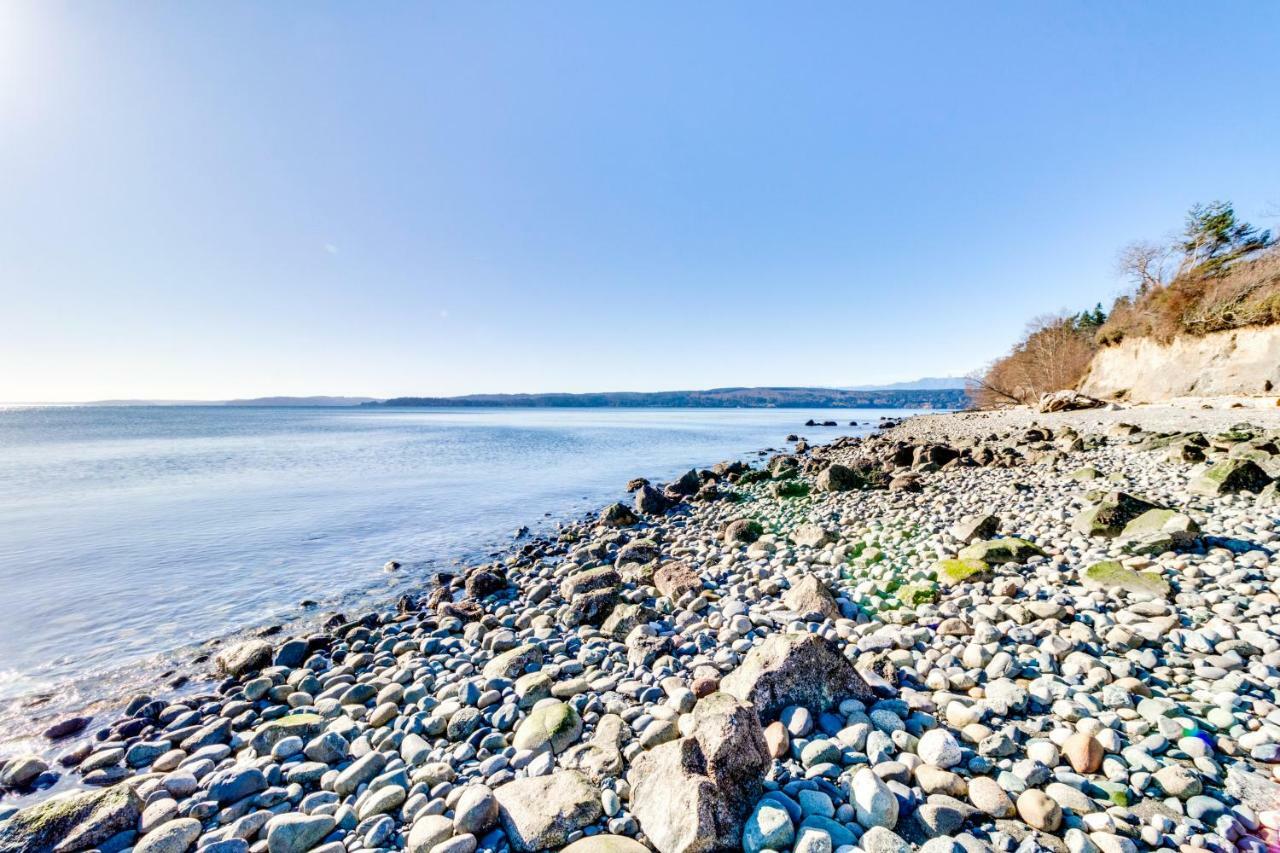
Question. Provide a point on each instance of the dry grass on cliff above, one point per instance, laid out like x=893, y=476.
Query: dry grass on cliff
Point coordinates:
x=1244, y=294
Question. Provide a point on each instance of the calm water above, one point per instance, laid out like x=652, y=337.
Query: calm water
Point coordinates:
x=130, y=531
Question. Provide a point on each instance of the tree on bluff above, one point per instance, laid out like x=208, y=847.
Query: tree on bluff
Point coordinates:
x=1213, y=238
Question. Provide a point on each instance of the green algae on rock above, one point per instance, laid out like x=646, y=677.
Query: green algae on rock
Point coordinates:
x=994, y=551
x=1112, y=513
x=1228, y=477
x=1110, y=574
x=79, y=821
x=305, y=726
x=956, y=571
x=556, y=724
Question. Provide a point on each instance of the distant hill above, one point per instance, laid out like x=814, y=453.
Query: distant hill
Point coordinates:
x=302, y=401
x=718, y=398
x=929, y=383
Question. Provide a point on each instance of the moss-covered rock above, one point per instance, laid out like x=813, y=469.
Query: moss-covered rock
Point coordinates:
x=305, y=726
x=1112, y=513
x=1229, y=477
x=78, y=821
x=914, y=594
x=1159, y=530
x=742, y=531
x=790, y=489
x=956, y=571
x=1085, y=474
x=556, y=724
x=1111, y=575
x=1011, y=549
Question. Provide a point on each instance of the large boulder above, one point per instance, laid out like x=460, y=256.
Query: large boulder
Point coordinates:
x=795, y=669
x=603, y=577
x=625, y=618
x=650, y=501
x=837, y=478
x=71, y=822
x=243, y=658
x=810, y=597
x=693, y=794
x=591, y=595
x=1228, y=477
x=974, y=527
x=484, y=581
x=1110, y=515
x=638, y=551
x=590, y=608
x=688, y=484
x=541, y=812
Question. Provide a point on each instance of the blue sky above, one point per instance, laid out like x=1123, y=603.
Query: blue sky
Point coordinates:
x=209, y=200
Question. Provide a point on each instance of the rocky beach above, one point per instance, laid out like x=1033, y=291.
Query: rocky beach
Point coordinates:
x=1000, y=631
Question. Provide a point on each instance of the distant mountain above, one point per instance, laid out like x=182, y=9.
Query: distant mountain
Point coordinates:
x=929, y=383
x=718, y=398
x=302, y=401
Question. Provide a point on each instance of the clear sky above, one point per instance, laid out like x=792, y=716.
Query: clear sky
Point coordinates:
x=222, y=199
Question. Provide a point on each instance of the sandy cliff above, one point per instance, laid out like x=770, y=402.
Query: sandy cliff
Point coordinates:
x=1237, y=362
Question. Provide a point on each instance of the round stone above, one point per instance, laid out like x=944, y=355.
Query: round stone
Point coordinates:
x=938, y=748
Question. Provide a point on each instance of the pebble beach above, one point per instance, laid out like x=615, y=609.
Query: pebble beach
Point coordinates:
x=970, y=632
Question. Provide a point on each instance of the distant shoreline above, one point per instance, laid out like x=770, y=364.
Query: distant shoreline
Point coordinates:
x=716, y=398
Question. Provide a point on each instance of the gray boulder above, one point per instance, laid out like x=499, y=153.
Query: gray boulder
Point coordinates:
x=72, y=822
x=1110, y=515
x=1229, y=477
x=617, y=515
x=981, y=526
x=293, y=832
x=650, y=501
x=795, y=669
x=809, y=596
x=693, y=794
x=541, y=812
